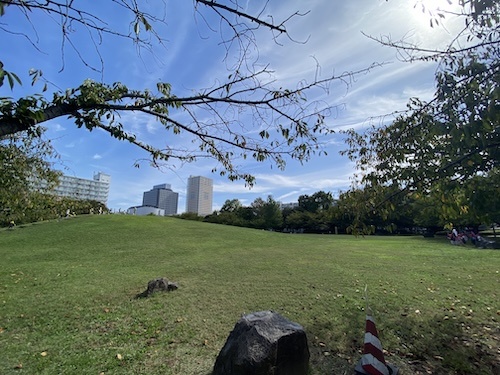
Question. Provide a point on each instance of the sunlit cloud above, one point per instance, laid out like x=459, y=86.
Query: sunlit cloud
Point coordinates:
x=291, y=194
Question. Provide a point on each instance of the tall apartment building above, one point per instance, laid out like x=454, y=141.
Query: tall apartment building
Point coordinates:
x=80, y=188
x=162, y=196
x=199, y=195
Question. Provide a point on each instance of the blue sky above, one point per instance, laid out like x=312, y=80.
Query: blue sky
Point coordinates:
x=330, y=34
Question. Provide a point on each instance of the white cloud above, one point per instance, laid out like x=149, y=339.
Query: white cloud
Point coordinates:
x=97, y=157
x=57, y=127
x=292, y=194
x=239, y=188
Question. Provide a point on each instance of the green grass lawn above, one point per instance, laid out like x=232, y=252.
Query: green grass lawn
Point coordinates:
x=67, y=293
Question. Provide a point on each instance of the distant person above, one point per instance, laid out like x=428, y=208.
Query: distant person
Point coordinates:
x=452, y=236
x=462, y=236
x=473, y=236
x=457, y=238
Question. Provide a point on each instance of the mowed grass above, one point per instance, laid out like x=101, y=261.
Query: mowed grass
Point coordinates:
x=67, y=293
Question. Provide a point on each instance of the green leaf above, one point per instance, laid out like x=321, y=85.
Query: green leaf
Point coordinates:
x=11, y=80
x=146, y=24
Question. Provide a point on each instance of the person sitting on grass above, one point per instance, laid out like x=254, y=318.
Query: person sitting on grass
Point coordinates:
x=457, y=238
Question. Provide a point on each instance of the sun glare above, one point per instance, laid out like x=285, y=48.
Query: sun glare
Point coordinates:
x=428, y=12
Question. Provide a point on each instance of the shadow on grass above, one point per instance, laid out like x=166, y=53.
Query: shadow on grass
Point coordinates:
x=440, y=345
x=335, y=347
x=447, y=345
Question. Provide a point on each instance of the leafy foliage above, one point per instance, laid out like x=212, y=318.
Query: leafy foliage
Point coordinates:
x=24, y=165
x=455, y=137
x=319, y=201
x=261, y=214
x=12, y=78
x=95, y=105
x=268, y=213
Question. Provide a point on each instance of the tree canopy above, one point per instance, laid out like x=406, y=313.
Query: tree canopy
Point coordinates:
x=452, y=140
x=319, y=201
x=25, y=175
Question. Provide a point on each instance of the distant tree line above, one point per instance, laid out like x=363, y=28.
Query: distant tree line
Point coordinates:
x=320, y=213
x=43, y=206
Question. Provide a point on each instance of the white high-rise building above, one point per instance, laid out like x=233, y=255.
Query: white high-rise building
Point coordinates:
x=80, y=188
x=199, y=195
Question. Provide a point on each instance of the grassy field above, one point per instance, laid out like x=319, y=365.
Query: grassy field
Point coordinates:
x=67, y=293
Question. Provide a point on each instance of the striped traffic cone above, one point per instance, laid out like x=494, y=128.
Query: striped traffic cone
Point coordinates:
x=373, y=362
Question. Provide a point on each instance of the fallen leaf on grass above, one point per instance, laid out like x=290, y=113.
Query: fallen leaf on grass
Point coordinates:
x=343, y=356
x=119, y=356
x=43, y=354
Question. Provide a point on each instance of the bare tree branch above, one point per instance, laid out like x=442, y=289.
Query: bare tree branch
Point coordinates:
x=212, y=4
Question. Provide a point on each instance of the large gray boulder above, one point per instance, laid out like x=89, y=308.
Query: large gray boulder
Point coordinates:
x=264, y=343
